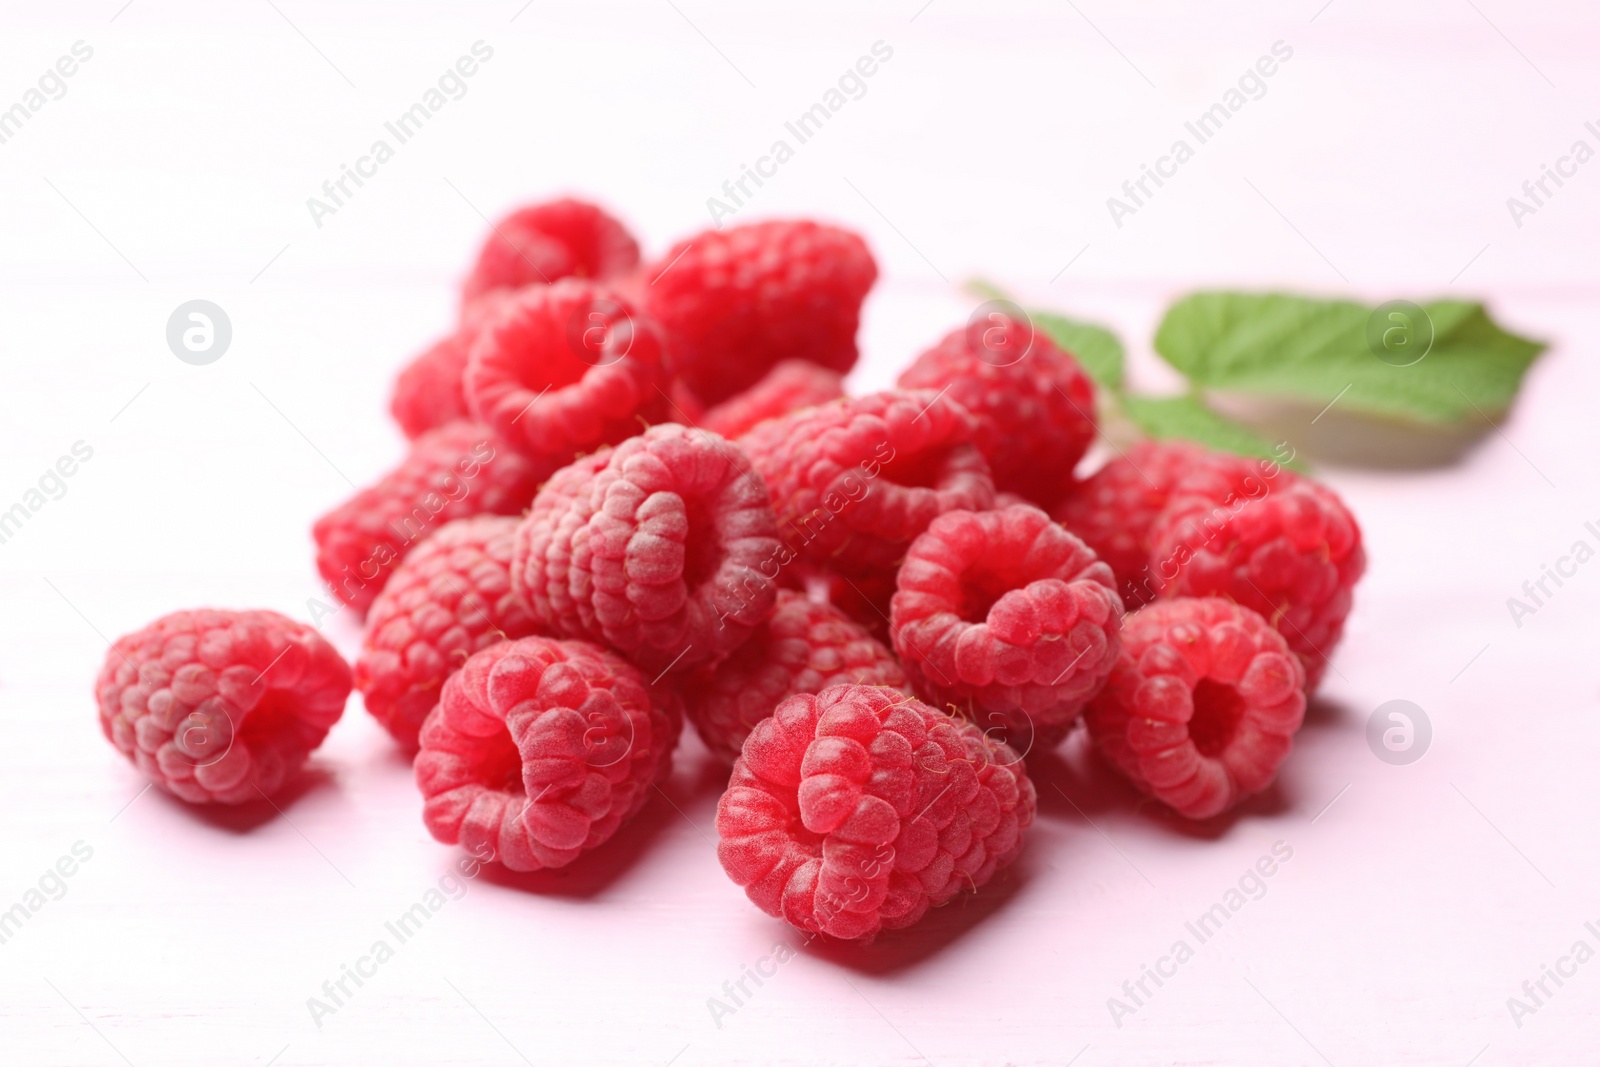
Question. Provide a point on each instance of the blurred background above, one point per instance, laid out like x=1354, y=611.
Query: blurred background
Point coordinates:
x=176, y=163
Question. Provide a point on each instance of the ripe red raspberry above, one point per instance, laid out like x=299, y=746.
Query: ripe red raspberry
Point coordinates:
x=790, y=386
x=220, y=706
x=740, y=300
x=542, y=243
x=1008, y=618
x=563, y=369
x=864, y=598
x=654, y=548
x=1114, y=509
x=539, y=749
x=427, y=392
x=853, y=481
x=857, y=809
x=453, y=472
x=1033, y=404
x=804, y=648
x=1201, y=705
x=1281, y=545
x=448, y=599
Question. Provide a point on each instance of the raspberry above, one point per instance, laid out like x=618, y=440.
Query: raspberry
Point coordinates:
x=856, y=809
x=562, y=369
x=427, y=392
x=542, y=243
x=539, y=750
x=220, y=706
x=803, y=648
x=1201, y=705
x=654, y=548
x=853, y=481
x=448, y=599
x=1033, y=403
x=1113, y=510
x=1281, y=545
x=1007, y=617
x=453, y=472
x=739, y=301
x=791, y=385
x=864, y=598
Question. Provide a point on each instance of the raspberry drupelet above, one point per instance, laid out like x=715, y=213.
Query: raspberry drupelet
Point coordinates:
x=1033, y=404
x=1264, y=537
x=559, y=370
x=654, y=548
x=805, y=647
x=1114, y=509
x=543, y=243
x=789, y=386
x=453, y=472
x=539, y=750
x=856, y=809
x=739, y=300
x=1008, y=619
x=448, y=599
x=220, y=706
x=855, y=480
x=1201, y=706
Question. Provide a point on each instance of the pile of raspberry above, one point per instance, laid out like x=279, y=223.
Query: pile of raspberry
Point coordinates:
x=638, y=492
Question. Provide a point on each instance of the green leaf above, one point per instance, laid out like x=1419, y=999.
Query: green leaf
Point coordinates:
x=1095, y=347
x=1186, y=418
x=1315, y=350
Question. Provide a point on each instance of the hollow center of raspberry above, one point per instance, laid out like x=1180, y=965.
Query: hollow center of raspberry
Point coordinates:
x=501, y=766
x=979, y=590
x=702, y=545
x=915, y=470
x=1218, y=708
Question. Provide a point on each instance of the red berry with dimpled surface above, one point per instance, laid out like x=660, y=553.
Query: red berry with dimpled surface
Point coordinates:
x=1033, y=404
x=448, y=599
x=539, y=750
x=543, y=243
x=1201, y=706
x=454, y=472
x=854, y=481
x=220, y=706
x=1008, y=619
x=804, y=647
x=855, y=810
x=654, y=548
x=741, y=300
x=790, y=386
x=1114, y=509
x=559, y=370
x=1282, y=545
